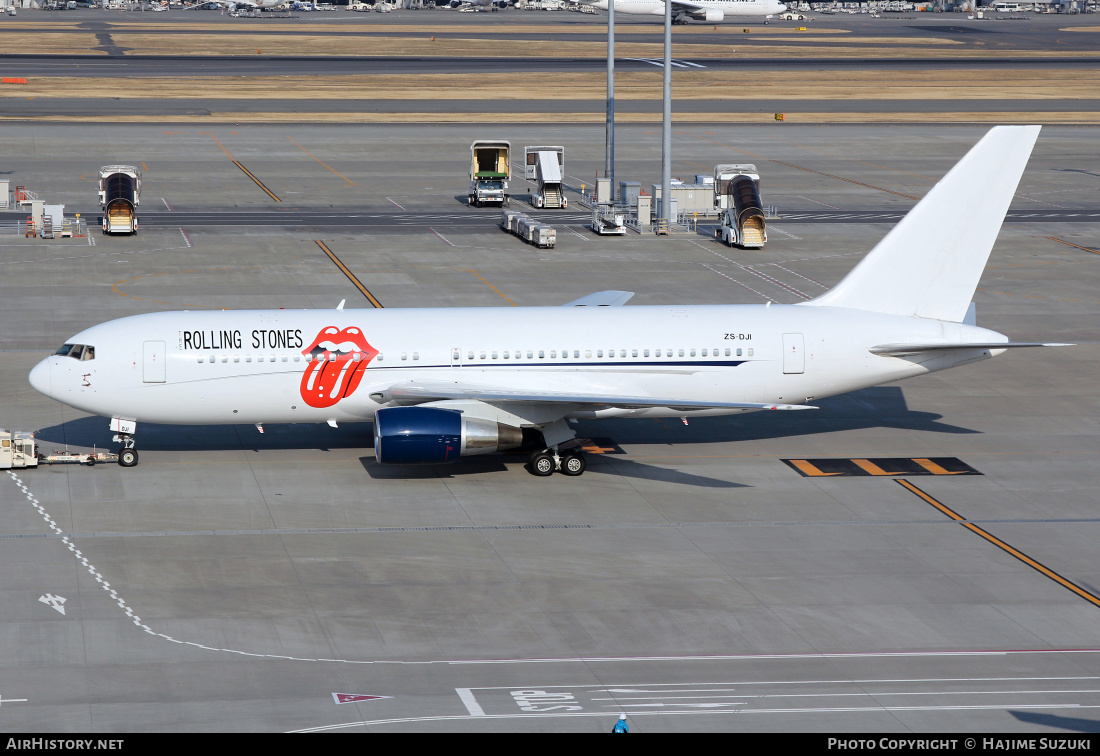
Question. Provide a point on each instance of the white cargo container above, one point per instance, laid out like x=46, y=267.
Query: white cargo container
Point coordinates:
x=543, y=236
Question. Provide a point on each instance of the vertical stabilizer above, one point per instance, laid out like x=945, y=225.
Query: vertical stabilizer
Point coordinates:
x=930, y=263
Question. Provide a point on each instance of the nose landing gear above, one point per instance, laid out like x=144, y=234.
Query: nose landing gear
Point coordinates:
x=124, y=435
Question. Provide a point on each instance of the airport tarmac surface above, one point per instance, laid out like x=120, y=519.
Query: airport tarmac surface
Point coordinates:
x=691, y=578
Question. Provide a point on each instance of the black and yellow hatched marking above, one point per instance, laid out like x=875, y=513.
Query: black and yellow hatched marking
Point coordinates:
x=258, y=182
x=1038, y=566
x=839, y=467
x=351, y=276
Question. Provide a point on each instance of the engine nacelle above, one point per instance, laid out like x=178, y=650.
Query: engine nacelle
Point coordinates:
x=433, y=435
x=714, y=15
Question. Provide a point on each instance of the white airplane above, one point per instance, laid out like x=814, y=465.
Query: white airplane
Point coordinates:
x=439, y=384
x=250, y=4
x=711, y=11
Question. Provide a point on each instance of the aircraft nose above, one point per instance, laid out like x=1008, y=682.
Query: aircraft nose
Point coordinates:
x=41, y=378
x=782, y=8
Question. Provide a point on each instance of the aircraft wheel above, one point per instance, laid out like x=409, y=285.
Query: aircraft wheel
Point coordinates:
x=91, y=462
x=541, y=464
x=127, y=457
x=573, y=465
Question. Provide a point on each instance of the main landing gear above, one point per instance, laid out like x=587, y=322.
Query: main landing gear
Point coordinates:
x=124, y=435
x=544, y=462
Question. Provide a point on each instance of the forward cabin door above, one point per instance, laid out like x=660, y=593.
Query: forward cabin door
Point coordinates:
x=153, y=371
x=794, y=353
x=456, y=357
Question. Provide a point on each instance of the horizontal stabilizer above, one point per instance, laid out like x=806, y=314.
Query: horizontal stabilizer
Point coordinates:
x=897, y=350
x=930, y=263
x=434, y=392
x=602, y=299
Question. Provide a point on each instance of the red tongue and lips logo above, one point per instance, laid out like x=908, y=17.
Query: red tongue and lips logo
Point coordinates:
x=337, y=358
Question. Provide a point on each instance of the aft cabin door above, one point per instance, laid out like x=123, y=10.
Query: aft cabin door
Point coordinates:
x=794, y=353
x=154, y=362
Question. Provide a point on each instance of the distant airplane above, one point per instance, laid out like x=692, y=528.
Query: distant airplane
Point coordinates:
x=478, y=3
x=443, y=383
x=251, y=4
x=710, y=11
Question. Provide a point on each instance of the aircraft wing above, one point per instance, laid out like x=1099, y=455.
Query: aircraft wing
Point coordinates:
x=692, y=9
x=602, y=299
x=897, y=350
x=427, y=392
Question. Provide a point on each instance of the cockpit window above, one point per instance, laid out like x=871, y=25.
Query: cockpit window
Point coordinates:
x=82, y=352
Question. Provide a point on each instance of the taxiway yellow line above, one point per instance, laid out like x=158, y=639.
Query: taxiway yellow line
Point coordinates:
x=351, y=276
x=322, y=162
x=1037, y=566
x=1071, y=244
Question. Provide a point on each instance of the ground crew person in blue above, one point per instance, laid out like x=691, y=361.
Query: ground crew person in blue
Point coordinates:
x=621, y=725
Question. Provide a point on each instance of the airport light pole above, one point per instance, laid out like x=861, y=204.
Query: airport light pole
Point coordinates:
x=609, y=167
x=666, y=131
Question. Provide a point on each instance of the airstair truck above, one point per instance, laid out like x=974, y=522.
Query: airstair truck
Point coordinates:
x=119, y=196
x=550, y=191
x=737, y=194
x=490, y=170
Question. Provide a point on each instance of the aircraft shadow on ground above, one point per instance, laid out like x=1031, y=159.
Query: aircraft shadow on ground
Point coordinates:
x=501, y=462
x=880, y=407
x=1053, y=720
